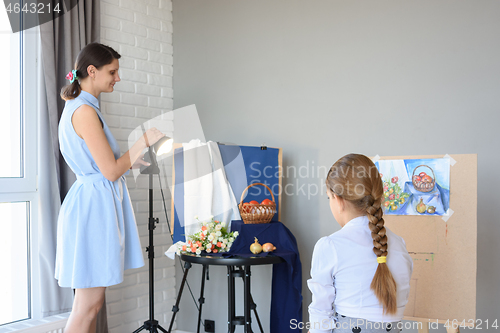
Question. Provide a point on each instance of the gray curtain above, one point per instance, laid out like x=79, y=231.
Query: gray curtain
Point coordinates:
x=62, y=38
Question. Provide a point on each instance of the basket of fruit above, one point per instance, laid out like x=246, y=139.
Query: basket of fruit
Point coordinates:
x=253, y=212
x=423, y=182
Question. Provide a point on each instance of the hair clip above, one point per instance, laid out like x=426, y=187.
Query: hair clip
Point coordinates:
x=72, y=76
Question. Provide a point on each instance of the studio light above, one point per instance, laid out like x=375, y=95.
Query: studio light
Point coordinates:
x=162, y=147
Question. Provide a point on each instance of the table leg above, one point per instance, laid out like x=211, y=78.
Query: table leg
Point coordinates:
x=230, y=300
x=201, y=300
x=175, y=308
x=247, y=296
x=253, y=306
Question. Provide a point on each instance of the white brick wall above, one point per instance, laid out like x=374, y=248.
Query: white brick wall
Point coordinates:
x=141, y=31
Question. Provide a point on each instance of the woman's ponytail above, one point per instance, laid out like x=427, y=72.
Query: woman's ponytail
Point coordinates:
x=72, y=90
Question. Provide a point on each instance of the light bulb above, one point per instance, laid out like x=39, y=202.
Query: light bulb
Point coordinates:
x=164, y=147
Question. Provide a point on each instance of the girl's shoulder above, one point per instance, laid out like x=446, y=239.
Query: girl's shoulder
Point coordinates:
x=325, y=243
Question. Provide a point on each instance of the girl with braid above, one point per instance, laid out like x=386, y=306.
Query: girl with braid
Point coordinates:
x=360, y=275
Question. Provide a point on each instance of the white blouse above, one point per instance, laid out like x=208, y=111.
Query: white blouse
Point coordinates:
x=342, y=268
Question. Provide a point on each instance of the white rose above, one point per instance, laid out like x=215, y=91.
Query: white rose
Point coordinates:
x=218, y=233
x=218, y=227
x=236, y=233
x=205, y=232
x=209, y=246
x=210, y=237
x=208, y=250
x=211, y=225
x=223, y=246
x=198, y=251
x=224, y=241
x=188, y=249
x=231, y=239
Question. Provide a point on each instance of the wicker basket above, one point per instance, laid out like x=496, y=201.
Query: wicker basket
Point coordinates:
x=255, y=214
x=423, y=186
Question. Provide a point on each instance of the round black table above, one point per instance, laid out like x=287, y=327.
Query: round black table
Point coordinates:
x=237, y=266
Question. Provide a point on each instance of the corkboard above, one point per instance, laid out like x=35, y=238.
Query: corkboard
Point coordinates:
x=443, y=284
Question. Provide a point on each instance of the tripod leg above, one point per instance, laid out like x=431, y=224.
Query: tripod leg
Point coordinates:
x=175, y=309
x=201, y=300
x=162, y=329
x=140, y=329
x=254, y=308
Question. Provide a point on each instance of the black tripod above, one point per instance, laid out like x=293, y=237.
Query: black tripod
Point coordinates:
x=151, y=325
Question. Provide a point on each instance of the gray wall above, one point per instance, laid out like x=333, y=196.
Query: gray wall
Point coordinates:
x=325, y=78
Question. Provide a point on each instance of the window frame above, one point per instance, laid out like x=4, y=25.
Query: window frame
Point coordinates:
x=29, y=46
x=25, y=189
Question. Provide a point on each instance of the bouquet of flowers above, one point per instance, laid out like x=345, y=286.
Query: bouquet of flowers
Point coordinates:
x=212, y=238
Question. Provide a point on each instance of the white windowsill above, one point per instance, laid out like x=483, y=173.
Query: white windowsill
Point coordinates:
x=33, y=325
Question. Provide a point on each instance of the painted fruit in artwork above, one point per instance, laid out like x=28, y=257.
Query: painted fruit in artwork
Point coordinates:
x=421, y=207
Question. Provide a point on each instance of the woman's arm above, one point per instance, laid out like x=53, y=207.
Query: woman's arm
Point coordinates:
x=88, y=126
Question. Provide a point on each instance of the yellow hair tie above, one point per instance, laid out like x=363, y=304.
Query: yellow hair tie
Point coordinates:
x=382, y=259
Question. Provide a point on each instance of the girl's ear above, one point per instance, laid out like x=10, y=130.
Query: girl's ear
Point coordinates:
x=341, y=203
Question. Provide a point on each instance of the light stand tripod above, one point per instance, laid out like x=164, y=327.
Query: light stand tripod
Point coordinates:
x=151, y=325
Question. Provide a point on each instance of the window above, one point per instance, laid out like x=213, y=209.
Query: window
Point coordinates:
x=18, y=170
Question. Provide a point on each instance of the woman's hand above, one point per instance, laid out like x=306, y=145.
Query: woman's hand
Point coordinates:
x=139, y=163
x=151, y=136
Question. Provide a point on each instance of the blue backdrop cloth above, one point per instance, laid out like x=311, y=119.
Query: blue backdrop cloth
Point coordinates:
x=286, y=297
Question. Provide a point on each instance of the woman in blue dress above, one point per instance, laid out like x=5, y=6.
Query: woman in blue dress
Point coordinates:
x=97, y=236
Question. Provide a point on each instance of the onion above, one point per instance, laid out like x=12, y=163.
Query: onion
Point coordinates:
x=268, y=247
x=256, y=248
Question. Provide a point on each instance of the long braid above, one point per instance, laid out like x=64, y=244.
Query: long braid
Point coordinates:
x=344, y=179
x=377, y=228
x=383, y=284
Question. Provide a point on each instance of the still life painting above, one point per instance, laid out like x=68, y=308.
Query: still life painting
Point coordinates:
x=415, y=186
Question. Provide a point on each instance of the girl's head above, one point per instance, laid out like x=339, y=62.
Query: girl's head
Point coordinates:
x=96, y=67
x=355, y=182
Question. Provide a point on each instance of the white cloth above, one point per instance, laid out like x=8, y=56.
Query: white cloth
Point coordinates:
x=342, y=268
x=206, y=189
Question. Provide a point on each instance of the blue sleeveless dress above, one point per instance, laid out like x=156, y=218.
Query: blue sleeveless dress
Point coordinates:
x=97, y=236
